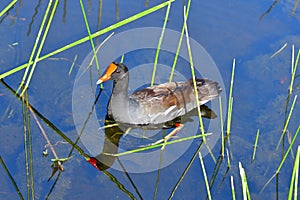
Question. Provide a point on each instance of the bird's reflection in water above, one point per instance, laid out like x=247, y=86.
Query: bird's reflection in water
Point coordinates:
x=114, y=131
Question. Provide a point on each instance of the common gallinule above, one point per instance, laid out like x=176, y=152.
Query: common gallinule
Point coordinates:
x=157, y=104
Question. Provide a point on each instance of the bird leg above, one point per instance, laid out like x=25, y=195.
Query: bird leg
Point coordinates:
x=170, y=135
x=179, y=126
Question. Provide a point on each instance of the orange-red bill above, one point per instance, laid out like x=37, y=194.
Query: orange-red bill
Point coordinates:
x=107, y=75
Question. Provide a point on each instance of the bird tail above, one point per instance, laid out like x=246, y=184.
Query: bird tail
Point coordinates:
x=207, y=89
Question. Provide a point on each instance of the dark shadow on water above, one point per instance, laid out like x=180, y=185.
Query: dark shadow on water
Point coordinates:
x=268, y=10
x=114, y=131
x=36, y=11
x=293, y=10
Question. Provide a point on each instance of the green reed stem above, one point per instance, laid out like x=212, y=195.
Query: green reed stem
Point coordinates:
x=295, y=177
x=30, y=61
x=156, y=145
x=294, y=69
x=279, y=50
x=255, y=145
x=193, y=77
x=159, y=44
x=283, y=159
x=179, y=43
x=287, y=122
x=293, y=59
x=205, y=176
x=228, y=159
x=96, y=34
x=11, y=4
x=232, y=188
x=122, y=58
x=41, y=46
x=288, y=150
x=222, y=129
x=72, y=66
x=94, y=56
x=230, y=101
x=296, y=166
x=90, y=36
x=246, y=193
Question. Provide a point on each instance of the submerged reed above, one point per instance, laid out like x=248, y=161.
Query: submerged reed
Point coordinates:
x=11, y=179
x=287, y=122
x=283, y=159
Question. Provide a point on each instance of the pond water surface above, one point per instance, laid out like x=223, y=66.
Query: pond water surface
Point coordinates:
x=225, y=30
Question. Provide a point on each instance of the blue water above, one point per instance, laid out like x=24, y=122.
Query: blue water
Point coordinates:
x=225, y=29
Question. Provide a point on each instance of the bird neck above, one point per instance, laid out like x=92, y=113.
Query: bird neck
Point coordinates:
x=120, y=92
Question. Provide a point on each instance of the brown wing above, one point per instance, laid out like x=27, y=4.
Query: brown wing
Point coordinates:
x=161, y=97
